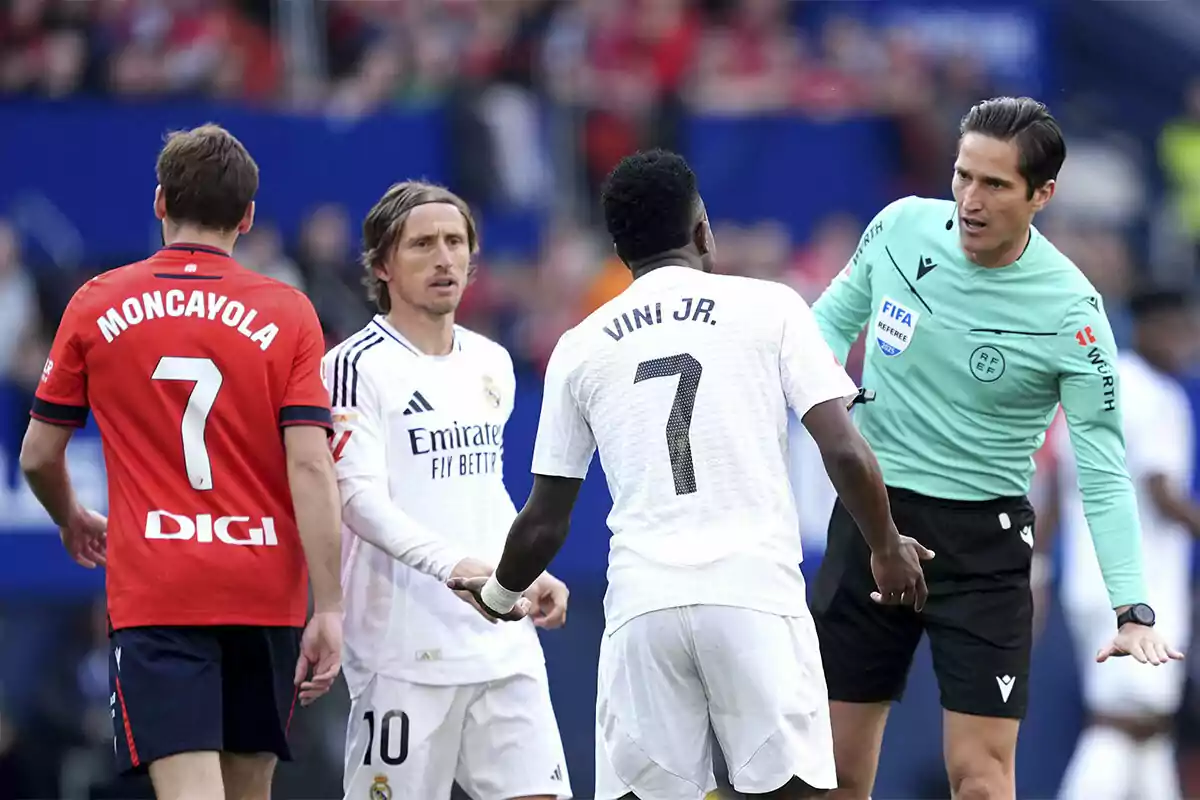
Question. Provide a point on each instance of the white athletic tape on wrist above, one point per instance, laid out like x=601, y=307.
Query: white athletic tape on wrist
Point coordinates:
x=497, y=598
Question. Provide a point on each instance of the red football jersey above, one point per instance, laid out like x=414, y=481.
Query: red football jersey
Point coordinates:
x=191, y=364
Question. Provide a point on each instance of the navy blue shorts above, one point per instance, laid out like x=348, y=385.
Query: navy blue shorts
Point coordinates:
x=186, y=689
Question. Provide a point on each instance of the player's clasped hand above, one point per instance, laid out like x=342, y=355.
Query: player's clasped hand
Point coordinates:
x=472, y=569
x=471, y=588
x=899, y=575
x=85, y=536
x=1144, y=643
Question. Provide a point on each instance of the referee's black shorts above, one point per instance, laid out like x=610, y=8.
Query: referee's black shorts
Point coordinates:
x=979, y=613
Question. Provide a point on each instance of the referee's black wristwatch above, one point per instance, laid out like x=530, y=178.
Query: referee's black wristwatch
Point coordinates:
x=1138, y=613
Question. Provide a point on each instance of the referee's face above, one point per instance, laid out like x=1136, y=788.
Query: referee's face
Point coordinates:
x=994, y=206
x=428, y=269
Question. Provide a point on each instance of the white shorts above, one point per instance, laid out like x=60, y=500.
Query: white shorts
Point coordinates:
x=1121, y=686
x=498, y=740
x=666, y=677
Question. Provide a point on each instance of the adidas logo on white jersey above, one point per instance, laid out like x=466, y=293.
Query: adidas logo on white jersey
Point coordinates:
x=417, y=404
x=557, y=774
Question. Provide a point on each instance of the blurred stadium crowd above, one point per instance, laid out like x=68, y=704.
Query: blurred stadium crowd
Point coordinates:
x=623, y=69
x=611, y=76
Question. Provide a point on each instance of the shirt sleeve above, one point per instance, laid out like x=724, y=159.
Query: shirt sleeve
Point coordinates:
x=62, y=394
x=360, y=454
x=1090, y=394
x=306, y=399
x=844, y=307
x=809, y=372
x=565, y=444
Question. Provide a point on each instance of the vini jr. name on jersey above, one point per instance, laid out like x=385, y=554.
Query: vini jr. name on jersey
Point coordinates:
x=690, y=309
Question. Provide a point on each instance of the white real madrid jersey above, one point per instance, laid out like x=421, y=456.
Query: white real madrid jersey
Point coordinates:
x=424, y=436
x=683, y=382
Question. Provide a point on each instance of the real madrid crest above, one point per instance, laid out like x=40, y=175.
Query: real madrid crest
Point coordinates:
x=380, y=790
x=491, y=391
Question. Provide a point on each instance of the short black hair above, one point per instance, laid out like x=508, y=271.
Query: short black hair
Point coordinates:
x=1030, y=124
x=1151, y=300
x=649, y=204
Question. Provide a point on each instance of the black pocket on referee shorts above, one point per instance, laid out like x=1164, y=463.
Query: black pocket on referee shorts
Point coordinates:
x=1005, y=535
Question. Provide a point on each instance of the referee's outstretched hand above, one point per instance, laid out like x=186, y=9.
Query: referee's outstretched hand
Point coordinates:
x=899, y=575
x=1144, y=643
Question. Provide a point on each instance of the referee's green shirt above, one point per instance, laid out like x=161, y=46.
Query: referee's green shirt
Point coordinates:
x=969, y=365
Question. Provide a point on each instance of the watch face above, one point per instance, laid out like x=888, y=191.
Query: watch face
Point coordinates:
x=1143, y=614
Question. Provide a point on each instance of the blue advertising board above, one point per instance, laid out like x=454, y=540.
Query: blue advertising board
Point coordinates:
x=82, y=172
x=1010, y=39
x=79, y=177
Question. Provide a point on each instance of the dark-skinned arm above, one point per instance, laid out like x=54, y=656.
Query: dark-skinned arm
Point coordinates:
x=534, y=539
x=854, y=472
x=818, y=390
x=538, y=532
x=562, y=454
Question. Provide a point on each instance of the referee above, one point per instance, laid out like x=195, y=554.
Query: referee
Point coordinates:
x=977, y=329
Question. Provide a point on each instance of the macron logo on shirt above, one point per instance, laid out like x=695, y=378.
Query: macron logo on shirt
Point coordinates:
x=418, y=404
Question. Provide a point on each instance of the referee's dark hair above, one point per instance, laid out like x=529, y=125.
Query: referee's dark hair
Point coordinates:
x=1026, y=121
x=650, y=204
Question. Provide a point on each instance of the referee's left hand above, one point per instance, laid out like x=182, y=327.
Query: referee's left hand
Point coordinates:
x=1145, y=644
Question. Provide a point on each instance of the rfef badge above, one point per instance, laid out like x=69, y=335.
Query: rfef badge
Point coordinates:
x=894, y=327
